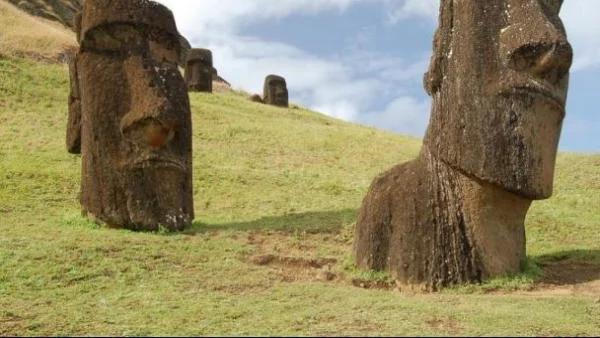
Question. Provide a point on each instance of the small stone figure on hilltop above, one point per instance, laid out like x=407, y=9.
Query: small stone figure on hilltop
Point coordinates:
x=275, y=91
x=199, y=70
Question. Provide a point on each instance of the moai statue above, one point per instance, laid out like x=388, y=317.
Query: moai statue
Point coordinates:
x=136, y=144
x=498, y=78
x=275, y=91
x=74, y=116
x=199, y=70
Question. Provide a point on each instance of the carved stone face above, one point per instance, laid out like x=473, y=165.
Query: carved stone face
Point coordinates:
x=199, y=70
x=499, y=78
x=275, y=91
x=137, y=123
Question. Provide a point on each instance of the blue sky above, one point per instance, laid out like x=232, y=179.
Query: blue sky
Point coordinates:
x=363, y=60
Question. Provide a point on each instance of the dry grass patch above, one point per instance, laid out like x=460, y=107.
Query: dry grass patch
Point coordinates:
x=32, y=37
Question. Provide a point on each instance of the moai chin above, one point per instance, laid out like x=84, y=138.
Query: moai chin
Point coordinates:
x=136, y=127
x=74, y=113
x=275, y=91
x=199, y=70
x=456, y=214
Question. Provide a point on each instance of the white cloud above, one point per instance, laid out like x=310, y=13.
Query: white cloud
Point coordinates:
x=579, y=17
x=582, y=25
x=405, y=115
x=344, y=86
x=414, y=8
x=196, y=16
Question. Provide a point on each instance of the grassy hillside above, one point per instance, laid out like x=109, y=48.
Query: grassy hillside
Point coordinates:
x=276, y=196
x=23, y=35
x=55, y=10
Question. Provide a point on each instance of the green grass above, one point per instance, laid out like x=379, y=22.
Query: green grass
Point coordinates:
x=268, y=181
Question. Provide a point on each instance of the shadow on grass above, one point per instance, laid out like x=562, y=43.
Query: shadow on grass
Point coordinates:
x=569, y=267
x=311, y=222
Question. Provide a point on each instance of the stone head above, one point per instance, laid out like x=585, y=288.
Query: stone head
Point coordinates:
x=275, y=91
x=134, y=97
x=130, y=49
x=199, y=69
x=498, y=78
x=202, y=56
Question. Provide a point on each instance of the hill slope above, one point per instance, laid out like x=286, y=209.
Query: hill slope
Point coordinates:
x=28, y=36
x=276, y=195
x=55, y=10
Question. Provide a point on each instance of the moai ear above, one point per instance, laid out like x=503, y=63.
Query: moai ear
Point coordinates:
x=77, y=25
x=433, y=78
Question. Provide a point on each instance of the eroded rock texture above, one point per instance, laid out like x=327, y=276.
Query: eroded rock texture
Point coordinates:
x=136, y=143
x=199, y=70
x=498, y=78
x=74, y=102
x=275, y=91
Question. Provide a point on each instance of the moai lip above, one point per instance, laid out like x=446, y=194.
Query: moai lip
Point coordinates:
x=275, y=91
x=456, y=214
x=199, y=70
x=136, y=143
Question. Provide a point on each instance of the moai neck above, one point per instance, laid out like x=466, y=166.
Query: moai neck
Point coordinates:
x=491, y=219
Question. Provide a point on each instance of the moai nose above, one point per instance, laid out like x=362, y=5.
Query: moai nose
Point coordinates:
x=153, y=115
x=545, y=60
x=536, y=44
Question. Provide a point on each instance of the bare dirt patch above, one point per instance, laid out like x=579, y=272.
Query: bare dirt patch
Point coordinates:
x=563, y=278
x=374, y=284
x=292, y=257
x=568, y=273
x=569, y=278
x=10, y=324
x=296, y=257
x=445, y=324
x=293, y=269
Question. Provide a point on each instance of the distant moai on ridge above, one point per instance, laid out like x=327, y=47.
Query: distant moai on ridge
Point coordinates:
x=74, y=109
x=275, y=91
x=136, y=144
x=199, y=70
x=456, y=213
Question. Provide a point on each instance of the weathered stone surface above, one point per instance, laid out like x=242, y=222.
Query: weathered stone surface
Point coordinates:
x=275, y=91
x=136, y=124
x=456, y=214
x=199, y=70
x=77, y=25
x=74, y=113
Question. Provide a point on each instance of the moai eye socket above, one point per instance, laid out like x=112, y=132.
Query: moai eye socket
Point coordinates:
x=114, y=37
x=163, y=46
